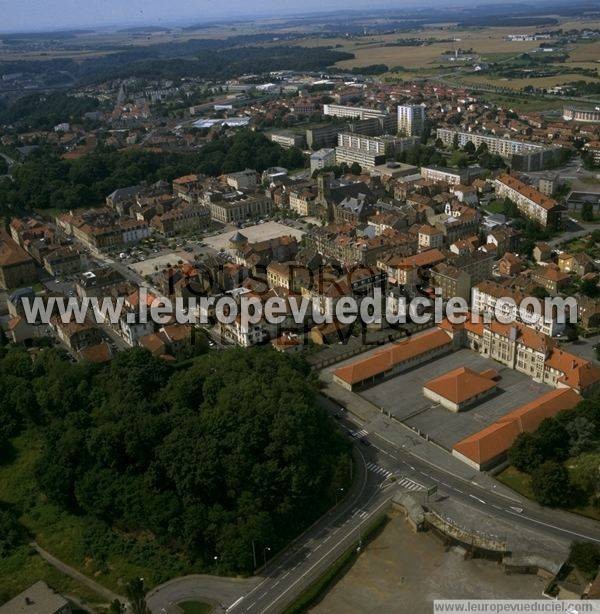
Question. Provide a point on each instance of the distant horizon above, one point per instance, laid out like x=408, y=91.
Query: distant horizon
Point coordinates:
x=138, y=13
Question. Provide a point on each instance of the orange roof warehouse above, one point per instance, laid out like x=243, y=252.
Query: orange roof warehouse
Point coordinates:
x=452, y=385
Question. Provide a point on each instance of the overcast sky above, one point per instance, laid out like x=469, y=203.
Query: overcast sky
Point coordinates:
x=33, y=15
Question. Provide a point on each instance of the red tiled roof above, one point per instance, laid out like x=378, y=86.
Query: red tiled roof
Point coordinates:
x=461, y=384
x=497, y=438
x=385, y=359
x=531, y=193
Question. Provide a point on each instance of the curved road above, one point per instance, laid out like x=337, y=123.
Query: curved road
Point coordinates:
x=289, y=574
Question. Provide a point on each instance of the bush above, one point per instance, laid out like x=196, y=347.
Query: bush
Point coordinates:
x=585, y=556
x=551, y=485
x=12, y=534
x=525, y=453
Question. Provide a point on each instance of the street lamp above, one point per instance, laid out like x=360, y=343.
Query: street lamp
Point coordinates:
x=266, y=548
x=339, y=490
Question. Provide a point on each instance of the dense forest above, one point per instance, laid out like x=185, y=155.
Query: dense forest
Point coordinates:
x=217, y=459
x=206, y=59
x=561, y=459
x=44, y=111
x=45, y=180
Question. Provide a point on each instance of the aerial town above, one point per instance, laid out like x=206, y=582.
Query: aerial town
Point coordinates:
x=206, y=461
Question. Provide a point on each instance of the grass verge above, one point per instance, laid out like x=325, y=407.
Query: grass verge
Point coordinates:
x=318, y=589
x=195, y=607
x=521, y=483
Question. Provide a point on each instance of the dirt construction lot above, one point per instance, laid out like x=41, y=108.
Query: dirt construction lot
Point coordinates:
x=403, y=572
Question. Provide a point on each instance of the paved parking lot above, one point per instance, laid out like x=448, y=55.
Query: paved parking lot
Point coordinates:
x=584, y=347
x=258, y=232
x=148, y=267
x=403, y=397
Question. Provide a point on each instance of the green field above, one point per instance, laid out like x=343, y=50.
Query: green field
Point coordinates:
x=195, y=607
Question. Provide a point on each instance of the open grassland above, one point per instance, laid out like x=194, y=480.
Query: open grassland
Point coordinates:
x=518, y=84
x=373, y=50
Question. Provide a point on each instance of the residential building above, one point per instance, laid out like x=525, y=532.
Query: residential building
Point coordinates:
x=99, y=282
x=237, y=207
x=451, y=281
x=369, y=152
x=62, y=261
x=430, y=237
x=322, y=159
x=411, y=120
x=523, y=155
x=449, y=175
x=362, y=113
x=181, y=220
x=242, y=180
x=551, y=278
x=487, y=298
x=531, y=203
x=324, y=136
x=287, y=140
x=303, y=200
x=188, y=188
x=17, y=268
x=577, y=114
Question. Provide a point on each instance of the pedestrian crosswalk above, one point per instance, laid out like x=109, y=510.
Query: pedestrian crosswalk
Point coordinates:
x=409, y=484
x=359, y=434
x=359, y=513
x=379, y=470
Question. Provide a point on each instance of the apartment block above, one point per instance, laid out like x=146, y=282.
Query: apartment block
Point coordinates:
x=530, y=202
x=411, y=119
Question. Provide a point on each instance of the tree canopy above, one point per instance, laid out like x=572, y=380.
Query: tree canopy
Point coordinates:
x=227, y=455
x=45, y=180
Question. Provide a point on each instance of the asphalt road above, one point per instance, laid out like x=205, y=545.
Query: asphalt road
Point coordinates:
x=290, y=572
x=385, y=467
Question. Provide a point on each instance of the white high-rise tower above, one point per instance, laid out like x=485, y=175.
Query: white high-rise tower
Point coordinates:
x=411, y=119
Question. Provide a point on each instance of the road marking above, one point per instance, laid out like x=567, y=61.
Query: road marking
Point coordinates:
x=335, y=518
x=552, y=526
x=379, y=470
x=234, y=603
x=409, y=484
x=268, y=607
x=478, y=499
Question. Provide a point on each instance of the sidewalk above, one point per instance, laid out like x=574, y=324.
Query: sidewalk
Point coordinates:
x=401, y=435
